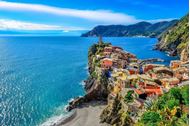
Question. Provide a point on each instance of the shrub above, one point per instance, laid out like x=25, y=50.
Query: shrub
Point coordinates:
x=151, y=118
x=129, y=96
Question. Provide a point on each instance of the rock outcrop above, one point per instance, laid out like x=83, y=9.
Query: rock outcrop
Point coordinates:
x=96, y=85
x=116, y=113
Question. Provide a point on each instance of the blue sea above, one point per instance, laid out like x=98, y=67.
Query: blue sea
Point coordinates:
x=39, y=75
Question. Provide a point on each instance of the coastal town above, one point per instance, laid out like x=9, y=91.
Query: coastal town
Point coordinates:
x=137, y=83
x=124, y=72
x=129, y=85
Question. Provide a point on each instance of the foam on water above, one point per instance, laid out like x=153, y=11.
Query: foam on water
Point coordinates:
x=57, y=119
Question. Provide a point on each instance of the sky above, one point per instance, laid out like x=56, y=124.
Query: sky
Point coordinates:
x=68, y=16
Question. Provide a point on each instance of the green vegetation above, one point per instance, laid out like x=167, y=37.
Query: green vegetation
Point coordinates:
x=129, y=96
x=171, y=109
x=94, y=75
x=138, y=29
x=96, y=49
x=151, y=118
x=176, y=38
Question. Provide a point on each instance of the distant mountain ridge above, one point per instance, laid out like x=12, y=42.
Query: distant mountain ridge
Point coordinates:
x=139, y=29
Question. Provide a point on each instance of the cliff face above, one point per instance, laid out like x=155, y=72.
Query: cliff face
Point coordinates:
x=138, y=29
x=175, y=40
x=96, y=85
x=116, y=113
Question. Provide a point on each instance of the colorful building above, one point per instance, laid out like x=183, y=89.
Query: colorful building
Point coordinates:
x=108, y=49
x=106, y=63
x=175, y=64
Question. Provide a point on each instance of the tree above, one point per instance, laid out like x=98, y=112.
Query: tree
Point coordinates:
x=176, y=93
x=171, y=103
x=185, y=95
x=129, y=96
x=151, y=118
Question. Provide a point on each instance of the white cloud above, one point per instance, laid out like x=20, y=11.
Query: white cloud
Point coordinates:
x=104, y=16
x=96, y=16
x=7, y=24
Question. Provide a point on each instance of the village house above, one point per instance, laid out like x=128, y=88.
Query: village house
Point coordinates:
x=163, y=72
x=147, y=89
x=134, y=65
x=147, y=67
x=153, y=91
x=165, y=83
x=116, y=48
x=119, y=63
x=116, y=56
x=108, y=49
x=133, y=70
x=113, y=49
x=120, y=76
x=170, y=82
x=122, y=63
x=174, y=81
x=132, y=81
x=181, y=73
x=132, y=55
x=175, y=64
x=153, y=75
x=107, y=54
x=106, y=63
x=133, y=60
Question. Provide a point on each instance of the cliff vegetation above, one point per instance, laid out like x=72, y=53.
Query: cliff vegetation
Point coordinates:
x=175, y=40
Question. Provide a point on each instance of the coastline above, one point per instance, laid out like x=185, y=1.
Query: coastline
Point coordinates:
x=86, y=115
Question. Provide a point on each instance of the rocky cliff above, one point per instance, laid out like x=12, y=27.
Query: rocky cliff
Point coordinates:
x=116, y=113
x=175, y=40
x=96, y=85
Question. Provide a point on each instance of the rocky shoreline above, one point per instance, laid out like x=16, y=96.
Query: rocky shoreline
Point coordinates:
x=175, y=40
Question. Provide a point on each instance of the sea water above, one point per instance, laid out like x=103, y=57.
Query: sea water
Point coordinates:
x=39, y=75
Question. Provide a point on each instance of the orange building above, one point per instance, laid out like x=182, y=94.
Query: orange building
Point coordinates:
x=106, y=63
x=151, y=92
x=148, y=67
x=175, y=64
x=133, y=71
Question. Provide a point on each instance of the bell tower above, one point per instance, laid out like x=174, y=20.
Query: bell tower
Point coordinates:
x=100, y=40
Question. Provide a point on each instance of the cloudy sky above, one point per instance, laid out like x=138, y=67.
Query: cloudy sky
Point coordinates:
x=85, y=14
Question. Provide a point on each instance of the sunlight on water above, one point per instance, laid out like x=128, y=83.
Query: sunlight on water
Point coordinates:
x=38, y=75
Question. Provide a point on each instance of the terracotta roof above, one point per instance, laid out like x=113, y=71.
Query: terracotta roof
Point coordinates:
x=138, y=91
x=156, y=91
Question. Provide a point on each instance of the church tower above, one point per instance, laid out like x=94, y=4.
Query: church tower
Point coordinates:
x=100, y=40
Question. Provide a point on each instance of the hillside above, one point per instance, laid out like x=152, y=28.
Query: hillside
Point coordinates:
x=172, y=105
x=175, y=39
x=138, y=29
